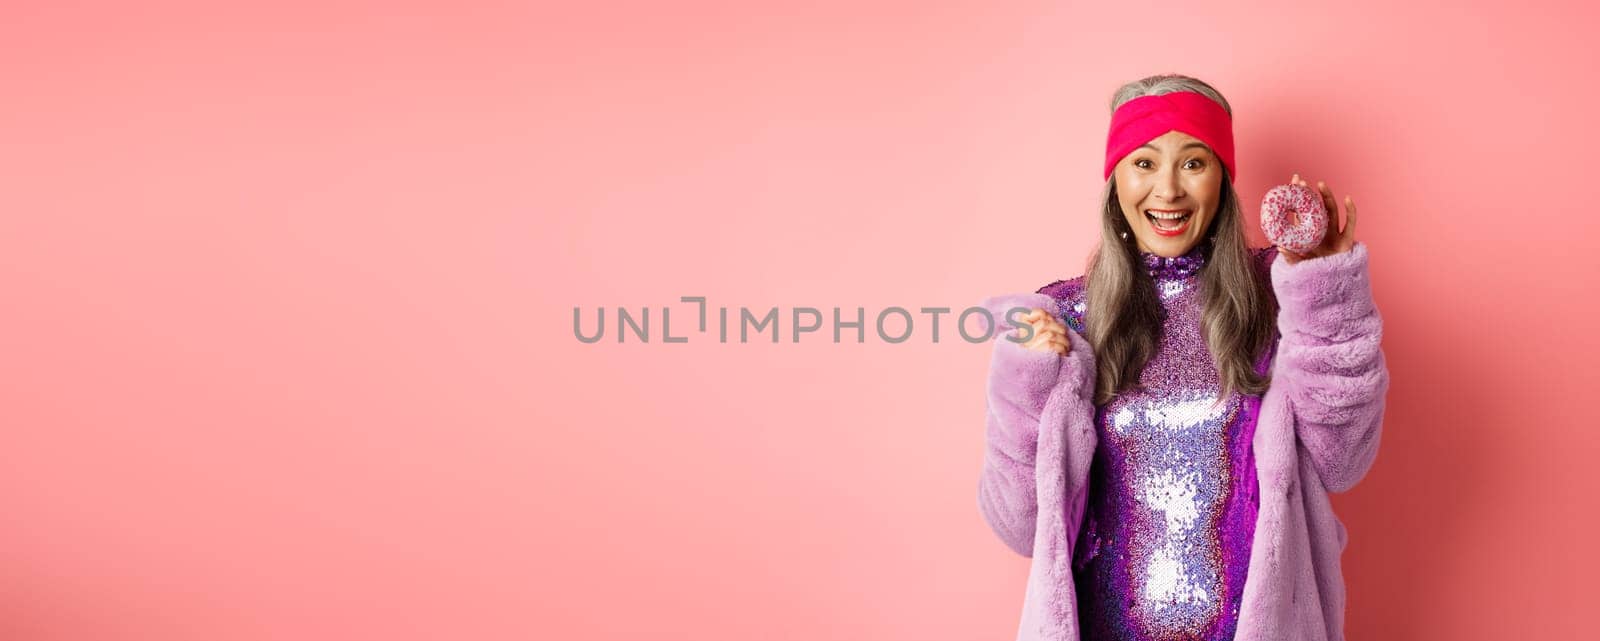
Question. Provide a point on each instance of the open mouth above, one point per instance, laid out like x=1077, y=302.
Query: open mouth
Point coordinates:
x=1168, y=223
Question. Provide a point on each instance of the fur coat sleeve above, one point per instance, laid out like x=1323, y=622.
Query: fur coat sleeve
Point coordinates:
x=1330, y=364
x=1021, y=385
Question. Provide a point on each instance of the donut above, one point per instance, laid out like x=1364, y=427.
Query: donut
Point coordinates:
x=1293, y=218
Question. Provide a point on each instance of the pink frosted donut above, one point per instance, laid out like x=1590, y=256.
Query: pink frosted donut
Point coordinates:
x=1293, y=218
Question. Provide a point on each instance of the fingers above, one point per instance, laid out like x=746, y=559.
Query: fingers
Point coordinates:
x=1048, y=333
x=1042, y=323
x=1031, y=318
x=1349, y=219
x=1045, y=330
x=1039, y=318
x=1329, y=204
x=1050, y=341
x=1045, y=335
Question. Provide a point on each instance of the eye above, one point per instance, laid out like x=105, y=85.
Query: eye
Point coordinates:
x=1137, y=163
x=1197, y=163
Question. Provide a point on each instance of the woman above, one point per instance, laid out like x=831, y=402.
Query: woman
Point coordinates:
x=1167, y=461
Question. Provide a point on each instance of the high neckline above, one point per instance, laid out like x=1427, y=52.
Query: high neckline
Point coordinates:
x=1167, y=268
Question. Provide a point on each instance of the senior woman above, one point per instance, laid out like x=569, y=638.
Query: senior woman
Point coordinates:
x=1162, y=432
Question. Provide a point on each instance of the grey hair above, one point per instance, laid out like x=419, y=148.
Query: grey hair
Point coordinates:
x=1165, y=84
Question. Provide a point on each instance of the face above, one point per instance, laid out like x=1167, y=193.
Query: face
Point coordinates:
x=1172, y=175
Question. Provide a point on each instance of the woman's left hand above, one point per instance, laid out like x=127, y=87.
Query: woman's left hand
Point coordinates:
x=1335, y=240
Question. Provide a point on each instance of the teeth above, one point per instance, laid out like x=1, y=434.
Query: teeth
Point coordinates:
x=1167, y=216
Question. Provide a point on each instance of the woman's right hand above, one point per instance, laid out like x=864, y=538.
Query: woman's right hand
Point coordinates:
x=1048, y=333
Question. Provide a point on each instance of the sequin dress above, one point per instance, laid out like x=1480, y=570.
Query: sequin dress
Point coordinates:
x=1172, y=489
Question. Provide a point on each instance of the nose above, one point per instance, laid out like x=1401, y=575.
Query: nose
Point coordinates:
x=1168, y=187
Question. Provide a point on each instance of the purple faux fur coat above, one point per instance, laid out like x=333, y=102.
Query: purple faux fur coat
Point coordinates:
x=1317, y=433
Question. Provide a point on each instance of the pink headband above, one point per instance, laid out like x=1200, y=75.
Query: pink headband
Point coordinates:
x=1143, y=119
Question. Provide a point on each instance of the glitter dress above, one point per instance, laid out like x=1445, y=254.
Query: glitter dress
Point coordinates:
x=1172, y=489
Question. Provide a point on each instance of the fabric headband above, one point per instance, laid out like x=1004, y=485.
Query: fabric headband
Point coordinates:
x=1143, y=119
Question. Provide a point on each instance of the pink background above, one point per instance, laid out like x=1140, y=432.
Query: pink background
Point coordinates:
x=288, y=296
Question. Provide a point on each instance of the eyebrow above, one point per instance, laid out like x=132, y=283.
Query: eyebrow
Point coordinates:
x=1192, y=144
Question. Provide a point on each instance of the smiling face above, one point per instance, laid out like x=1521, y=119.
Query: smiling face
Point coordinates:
x=1169, y=189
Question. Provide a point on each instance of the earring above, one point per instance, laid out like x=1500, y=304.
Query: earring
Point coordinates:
x=1124, y=235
